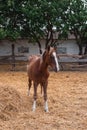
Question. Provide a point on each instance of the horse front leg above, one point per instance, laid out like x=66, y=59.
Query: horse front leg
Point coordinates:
x=35, y=96
x=45, y=96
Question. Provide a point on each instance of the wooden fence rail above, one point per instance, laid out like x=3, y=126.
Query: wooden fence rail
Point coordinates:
x=13, y=61
x=73, y=61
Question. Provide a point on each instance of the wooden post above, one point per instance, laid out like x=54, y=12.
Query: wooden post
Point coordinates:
x=13, y=57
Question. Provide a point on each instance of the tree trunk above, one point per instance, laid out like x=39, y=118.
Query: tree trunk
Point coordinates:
x=80, y=50
x=38, y=42
x=80, y=53
x=85, y=51
x=13, y=57
x=40, y=49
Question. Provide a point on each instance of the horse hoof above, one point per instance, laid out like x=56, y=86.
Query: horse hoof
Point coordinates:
x=34, y=106
x=33, y=110
x=46, y=110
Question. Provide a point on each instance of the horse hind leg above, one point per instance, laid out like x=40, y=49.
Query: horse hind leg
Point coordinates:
x=35, y=96
x=29, y=85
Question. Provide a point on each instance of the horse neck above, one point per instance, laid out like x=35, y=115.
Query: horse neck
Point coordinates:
x=43, y=65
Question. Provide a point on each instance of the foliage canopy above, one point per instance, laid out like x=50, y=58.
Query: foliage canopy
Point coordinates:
x=39, y=19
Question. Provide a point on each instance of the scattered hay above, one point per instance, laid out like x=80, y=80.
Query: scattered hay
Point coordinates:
x=10, y=102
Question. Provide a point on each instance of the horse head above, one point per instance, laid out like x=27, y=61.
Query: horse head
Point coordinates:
x=50, y=58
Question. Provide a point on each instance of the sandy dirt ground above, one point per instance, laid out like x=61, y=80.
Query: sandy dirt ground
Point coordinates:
x=67, y=100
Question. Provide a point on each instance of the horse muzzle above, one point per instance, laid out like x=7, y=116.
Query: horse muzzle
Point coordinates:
x=55, y=69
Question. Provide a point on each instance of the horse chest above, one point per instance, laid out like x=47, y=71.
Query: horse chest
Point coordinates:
x=41, y=76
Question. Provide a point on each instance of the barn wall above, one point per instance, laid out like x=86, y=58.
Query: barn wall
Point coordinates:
x=70, y=46
x=25, y=48
x=5, y=47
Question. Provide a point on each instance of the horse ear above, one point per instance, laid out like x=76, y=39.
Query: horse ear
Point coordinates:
x=48, y=48
x=44, y=55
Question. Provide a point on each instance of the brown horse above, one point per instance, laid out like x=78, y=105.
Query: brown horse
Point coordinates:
x=38, y=72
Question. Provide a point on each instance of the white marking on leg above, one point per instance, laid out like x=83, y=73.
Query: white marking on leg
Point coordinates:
x=46, y=106
x=34, y=105
x=56, y=60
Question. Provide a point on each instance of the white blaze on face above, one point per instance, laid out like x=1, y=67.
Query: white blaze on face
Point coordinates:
x=56, y=61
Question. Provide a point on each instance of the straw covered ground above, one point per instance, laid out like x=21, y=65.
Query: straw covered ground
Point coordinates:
x=67, y=100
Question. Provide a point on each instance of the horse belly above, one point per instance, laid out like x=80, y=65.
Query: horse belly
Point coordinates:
x=33, y=72
x=40, y=77
x=37, y=76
